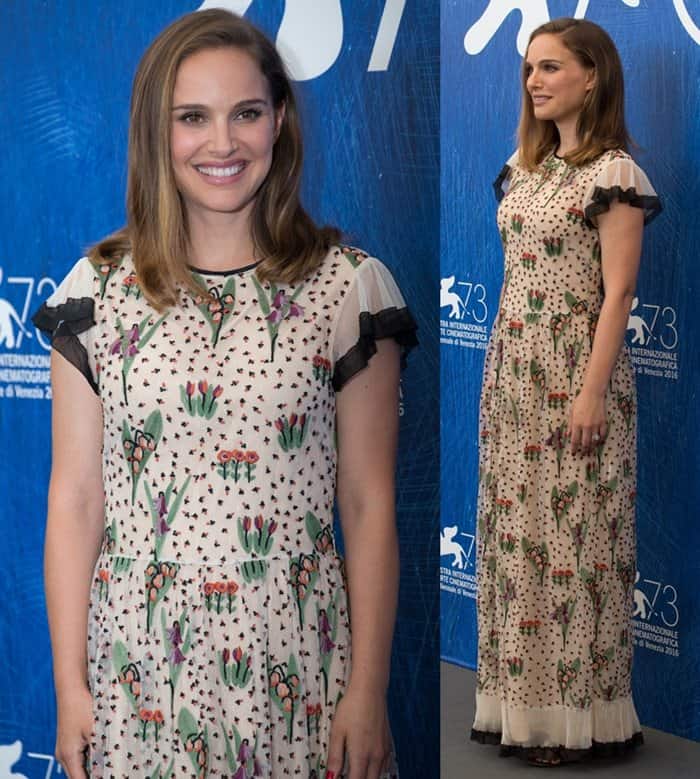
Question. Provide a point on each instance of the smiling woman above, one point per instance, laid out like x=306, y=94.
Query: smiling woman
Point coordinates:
x=237, y=371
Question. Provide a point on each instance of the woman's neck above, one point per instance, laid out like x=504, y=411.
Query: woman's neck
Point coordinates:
x=568, y=136
x=220, y=242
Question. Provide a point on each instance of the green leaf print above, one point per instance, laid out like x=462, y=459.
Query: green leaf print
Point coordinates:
x=104, y=273
x=537, y=555
x=196, y=742
x=562, y=500
x=139, y=445
x=292, y=431
x=158, y=773
x=244, y=760
x=558, y=324
x=575, y=305
x=285, y=689
x=538, y=377
x=217, y=311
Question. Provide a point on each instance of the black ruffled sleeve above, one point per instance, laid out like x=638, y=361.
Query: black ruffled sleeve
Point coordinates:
x=373, y=309
x=622, y=180
x=68, y=315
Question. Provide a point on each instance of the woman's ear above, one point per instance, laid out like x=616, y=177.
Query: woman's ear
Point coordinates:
x=591, y=79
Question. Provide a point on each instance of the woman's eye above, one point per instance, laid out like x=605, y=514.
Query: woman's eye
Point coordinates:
x=249, y=114
x=192, y=118
x=550, y=68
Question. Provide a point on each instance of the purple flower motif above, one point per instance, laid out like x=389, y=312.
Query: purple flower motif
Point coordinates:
x=295, y=310
x=134, y=334
x=163, y=527
x=174, y=635
x=116, y=347
x=176, y=657
x=275, y=316
x=279, y=300
x=161, y=508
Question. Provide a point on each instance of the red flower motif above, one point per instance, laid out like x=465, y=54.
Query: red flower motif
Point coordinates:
x=252, y=457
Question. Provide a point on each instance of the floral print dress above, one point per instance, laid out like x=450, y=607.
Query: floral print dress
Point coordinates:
x=219, y=635
x=556, y=532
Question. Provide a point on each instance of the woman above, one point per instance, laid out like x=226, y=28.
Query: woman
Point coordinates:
x=557, y=477
x=199, y=617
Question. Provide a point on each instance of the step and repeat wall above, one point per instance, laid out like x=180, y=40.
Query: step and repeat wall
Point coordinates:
x=367, y=78
x=482, y=43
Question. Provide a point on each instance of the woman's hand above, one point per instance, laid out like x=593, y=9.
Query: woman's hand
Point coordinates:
x=360, y=732
x=73, y=732
x=587, y=422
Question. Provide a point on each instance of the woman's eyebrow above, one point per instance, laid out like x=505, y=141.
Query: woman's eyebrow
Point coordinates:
x=256, y=101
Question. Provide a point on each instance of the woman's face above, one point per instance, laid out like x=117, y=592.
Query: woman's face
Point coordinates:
x=224, y=127
x=556, y=81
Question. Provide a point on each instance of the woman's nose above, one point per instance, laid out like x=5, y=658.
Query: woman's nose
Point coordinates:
x=222, y=141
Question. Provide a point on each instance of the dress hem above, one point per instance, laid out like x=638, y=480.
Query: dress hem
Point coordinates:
x=598, y=749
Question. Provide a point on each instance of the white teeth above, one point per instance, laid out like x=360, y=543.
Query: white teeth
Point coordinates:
x=221, y=172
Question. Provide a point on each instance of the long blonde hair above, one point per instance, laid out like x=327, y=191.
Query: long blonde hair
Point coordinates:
x=284, y=236
x=601, y=123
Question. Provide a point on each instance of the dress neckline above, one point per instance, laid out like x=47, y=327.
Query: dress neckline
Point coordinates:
x=231, y=272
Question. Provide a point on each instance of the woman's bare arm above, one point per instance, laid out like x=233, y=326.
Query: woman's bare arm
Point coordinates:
x=367, y=419
x=73, y=537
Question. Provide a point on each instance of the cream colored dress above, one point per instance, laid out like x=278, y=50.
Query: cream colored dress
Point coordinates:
x=219, y=634
x=556, y=532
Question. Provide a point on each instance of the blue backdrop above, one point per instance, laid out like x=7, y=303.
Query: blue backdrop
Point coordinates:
x=481, y=46
x=368, y=83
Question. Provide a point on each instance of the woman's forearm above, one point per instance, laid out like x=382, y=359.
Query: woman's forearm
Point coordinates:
x=73, y=537
x=609, y=336
x=372, y=566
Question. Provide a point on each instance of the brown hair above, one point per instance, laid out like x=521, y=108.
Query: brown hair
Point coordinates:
x=601, y=123
x=284, y=236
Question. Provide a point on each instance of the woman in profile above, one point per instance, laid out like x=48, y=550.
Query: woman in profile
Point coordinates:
x=558, y=416
x=216, y=363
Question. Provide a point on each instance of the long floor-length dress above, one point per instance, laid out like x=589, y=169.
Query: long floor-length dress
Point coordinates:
x=556, y=532
x=219, y=639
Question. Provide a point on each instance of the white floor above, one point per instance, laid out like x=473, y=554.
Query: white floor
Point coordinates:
x=661, y=757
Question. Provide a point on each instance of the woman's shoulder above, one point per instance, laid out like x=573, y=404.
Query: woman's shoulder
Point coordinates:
x=344, y=263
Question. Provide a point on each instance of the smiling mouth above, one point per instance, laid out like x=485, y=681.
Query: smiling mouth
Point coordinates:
x=540, y=99
x=217, y=172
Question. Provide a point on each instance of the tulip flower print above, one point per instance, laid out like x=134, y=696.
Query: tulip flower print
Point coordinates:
x=130, y=342
x=515, y=666
x=130, y=286
x=285, y=689
x=567, y=675
x=528, y=260
x=504, y=237
x=516, y=223
x=558, y=325
x=535, y=301
x=563, y=614
x=103, y=579
x=557, y=440
x=164, y=510
x=562, y=500
x=277, y=308
x=177, y=639
x=200, y=399
x=572, y=356
x=196, y=742
x=575, y=215
x=322, y=369
x=235, y=667
x=507, y=542
x=562, y=576
x=292, y=431
x=537, y=555
x=553, y=246
x=529, y=627
x=139, y=445
x=217, y=307
x=515, y=328
x=159, y=577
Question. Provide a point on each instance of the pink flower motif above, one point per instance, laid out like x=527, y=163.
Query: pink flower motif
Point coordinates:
x=296, y=310
x=280, y=299
x=275, y=316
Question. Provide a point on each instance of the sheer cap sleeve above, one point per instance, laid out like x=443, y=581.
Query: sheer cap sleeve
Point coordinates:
x=373, y=308
x=623, y=180
x=68, y=314
x=502, y=183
